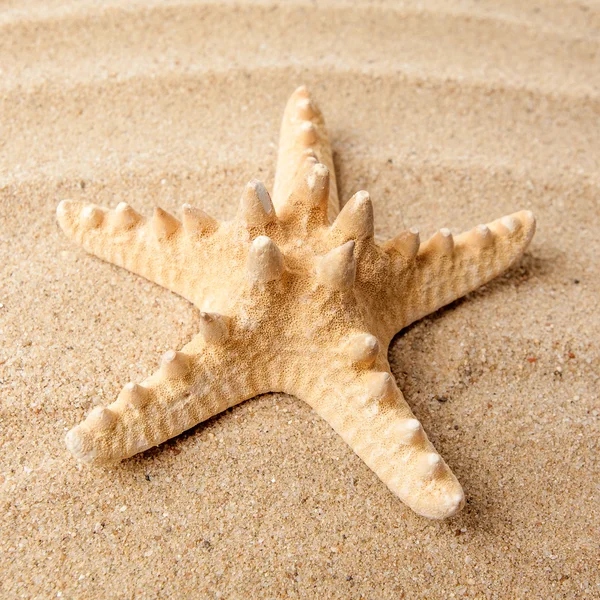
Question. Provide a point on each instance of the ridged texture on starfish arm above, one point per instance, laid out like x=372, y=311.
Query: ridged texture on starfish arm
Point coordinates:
x=444, y=268
x=189, y=387
x=295, y=296
x=303, y=134
x=367, y=409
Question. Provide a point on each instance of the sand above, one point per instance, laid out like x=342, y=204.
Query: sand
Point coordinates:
x=449, y=116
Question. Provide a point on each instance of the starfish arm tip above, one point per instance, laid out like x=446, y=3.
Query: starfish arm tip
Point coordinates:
x=367, y=409
x=302, y=130
x=449, y=503
x=425, y=277
x=180, y=394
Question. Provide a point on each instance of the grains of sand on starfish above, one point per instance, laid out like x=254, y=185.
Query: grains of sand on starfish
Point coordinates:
x=295, y=295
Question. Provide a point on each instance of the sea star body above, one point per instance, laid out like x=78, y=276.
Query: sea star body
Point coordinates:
x=295, y=296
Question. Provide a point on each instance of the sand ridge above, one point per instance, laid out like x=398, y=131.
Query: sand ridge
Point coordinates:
x=448, y=116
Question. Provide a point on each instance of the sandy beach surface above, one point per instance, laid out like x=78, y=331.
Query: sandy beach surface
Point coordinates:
x=450, y=114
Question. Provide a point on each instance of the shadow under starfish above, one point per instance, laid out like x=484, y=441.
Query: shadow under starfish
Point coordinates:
x=296, y=297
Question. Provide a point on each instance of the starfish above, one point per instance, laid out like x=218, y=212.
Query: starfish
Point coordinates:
x=295, y=296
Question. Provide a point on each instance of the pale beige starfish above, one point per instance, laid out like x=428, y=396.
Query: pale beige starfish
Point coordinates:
x=292, y=303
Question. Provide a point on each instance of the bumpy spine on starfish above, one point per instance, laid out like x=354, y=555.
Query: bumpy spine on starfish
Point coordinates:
x=164, y=225
x=406, y=244
x=256, y=208
x=355, y=221
x=196, y=222
x=337, y=269
x=362, y=349
x=265, y=261
x=214, y=327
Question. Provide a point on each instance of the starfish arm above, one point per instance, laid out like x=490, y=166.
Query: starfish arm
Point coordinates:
x=191, y=386
x=303, y=134
x=369, y=412
x=443, y=269
x=156, y=248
